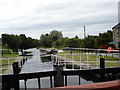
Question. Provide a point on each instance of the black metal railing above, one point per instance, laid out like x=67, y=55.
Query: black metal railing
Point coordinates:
x=12, y=80
x=96, y=75
x=59, y=77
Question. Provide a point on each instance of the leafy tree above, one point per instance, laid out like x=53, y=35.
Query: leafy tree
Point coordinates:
x=35, y=43
x=60, y=43
x=73, y=42
x=55, y=35
x=76, y=37
x=18, y=42
x=47, y=40
x=10, y=41
x=23, y=41
x=105, y=38
x=55, y=39
x=90, y=42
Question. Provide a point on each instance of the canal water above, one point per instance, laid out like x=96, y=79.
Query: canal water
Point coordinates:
x=35, y=64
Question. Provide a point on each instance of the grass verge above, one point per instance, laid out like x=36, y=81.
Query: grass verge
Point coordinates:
x=91, y=58
x=5, y=62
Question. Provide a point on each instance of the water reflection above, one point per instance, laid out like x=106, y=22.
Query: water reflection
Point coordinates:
x=29, y=57
x=37, y=64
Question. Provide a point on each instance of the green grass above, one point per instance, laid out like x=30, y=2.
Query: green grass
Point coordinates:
x=3, y=70
x=9, y=55
x=112, y=58
x=91, y=57
x=4, y=62
x=6, y=51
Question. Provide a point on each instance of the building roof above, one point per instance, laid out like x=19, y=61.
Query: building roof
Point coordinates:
x=116, y=26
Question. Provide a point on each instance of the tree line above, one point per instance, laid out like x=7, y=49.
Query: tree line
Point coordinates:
x=55, y=39
x=16, y=42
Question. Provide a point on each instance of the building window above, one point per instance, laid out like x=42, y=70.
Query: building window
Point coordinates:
x=118, y=32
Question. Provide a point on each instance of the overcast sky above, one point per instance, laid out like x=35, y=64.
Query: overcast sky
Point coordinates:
x=36, y=17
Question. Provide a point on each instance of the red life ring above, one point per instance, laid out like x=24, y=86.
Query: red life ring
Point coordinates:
x=109, y=49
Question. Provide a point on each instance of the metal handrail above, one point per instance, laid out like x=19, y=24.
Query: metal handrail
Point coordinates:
x=25, y=76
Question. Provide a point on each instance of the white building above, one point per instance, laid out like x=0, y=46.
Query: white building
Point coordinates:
x=116, y=33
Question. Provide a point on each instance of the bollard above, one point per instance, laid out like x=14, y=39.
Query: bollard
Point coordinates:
x=96, y=51
x=23, y=60
x=58, y=79
x=21, y=63
x=71, y=50
x=112, y=55
x=102, y=63
x=102, y=66
x=16, y=70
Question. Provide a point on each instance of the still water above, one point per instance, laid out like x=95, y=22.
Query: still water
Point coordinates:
x=35, y=64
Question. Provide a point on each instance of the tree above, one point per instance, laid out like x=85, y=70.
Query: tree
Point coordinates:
x=90, y=42
x=76, y=37
x=60, y=43
x=55, y=35
x=74, y=42
x=18, y=42
x=47, y=40
x=10, y=41
x=105, y=38
x=55, y=39
x=23, y=41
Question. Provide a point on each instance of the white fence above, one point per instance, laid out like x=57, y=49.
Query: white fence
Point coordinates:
x=6, y=64
x=83, y=61
x=75, y=60
x=32, y=63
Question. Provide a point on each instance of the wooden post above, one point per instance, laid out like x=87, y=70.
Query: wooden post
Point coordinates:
x=102, y=66
x=102, y=63
x=112, y=54
x=58, y=79
x=96, y=51
x=23, y=59
x=15, y=68
x=71, y=50
x=15, y=72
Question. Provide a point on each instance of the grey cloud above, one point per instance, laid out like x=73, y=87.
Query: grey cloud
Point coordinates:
x=67, y=24
x=94, y=14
